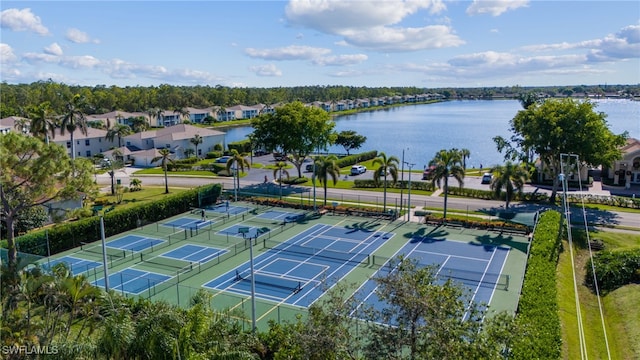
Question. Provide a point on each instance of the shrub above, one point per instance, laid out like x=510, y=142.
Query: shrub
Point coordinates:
x=614, y=269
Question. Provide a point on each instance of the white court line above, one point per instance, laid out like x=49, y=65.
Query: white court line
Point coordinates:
x=456, y=256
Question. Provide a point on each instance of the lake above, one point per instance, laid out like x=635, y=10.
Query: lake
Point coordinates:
x=422, y=130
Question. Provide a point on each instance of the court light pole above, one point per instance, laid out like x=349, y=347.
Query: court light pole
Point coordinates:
x=410, y=166
x=244, y=232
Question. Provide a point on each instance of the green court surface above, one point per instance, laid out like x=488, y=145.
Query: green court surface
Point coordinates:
x=173, y=259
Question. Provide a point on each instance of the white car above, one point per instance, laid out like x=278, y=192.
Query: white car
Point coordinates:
x=358, y=169
x=486, y=178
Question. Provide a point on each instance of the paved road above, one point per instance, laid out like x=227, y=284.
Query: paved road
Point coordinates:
x=255, y=181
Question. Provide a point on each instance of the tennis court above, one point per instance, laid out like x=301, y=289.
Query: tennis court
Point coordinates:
x=298, y=271
x=134, y=243
x=76, y=265
x=187, y=223
x=477, y=268
x=133, y=281
x=194, y=253
x=226, y=208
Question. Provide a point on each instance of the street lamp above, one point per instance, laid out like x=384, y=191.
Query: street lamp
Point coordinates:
x=410, y=166
x=235, y=187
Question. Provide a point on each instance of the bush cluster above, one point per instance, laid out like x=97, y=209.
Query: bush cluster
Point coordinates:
x=404, y=184
x=538, y=307
x=351, y=160
x=614, y=269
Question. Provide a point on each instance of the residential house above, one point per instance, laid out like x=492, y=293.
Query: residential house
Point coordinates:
x=626, y=170
x=93, y=143
x=177, y=138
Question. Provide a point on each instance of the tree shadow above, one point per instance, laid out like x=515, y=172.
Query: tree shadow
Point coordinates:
x=366, y=226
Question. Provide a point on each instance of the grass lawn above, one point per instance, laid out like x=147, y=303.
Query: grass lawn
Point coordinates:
x=622, y=319
x=147, y=194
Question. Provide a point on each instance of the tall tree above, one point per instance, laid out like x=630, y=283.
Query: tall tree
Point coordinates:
x=326, y=167
x=386, y=166
x=196, y=140
x=139, y=124
x=165, y=159
x=465, y=153
x=350, y=140
x=237, y=163
x=510, y=177
x=74, y=119
x=42, y=121
x=447, y=163
x=281, y=168
x=33, y=173
x=294, y=129
x=119, y=131
x=426, y=319
x=562, y=126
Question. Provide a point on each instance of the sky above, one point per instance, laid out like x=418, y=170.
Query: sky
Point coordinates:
x=421, y=43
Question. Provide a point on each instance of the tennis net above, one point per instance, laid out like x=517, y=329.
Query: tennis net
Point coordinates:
x=166, y=263
x=475, y=278
x=342, y=257
x=290, y=285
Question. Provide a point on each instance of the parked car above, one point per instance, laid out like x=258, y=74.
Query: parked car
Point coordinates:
x=358, y=169
x=486, y=178
x=427, y=174
x=280, y=157
x=223, y=159
x=309, y=168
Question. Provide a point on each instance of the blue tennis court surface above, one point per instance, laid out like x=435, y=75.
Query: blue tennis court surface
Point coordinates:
x=76, y=265
x=134, y=243
x=132, y=281
x=281, y=216
x=188, y=223
x=293, y=271
x=225, y=208
x=478, y=268
x=194, y=253
x=252, y=231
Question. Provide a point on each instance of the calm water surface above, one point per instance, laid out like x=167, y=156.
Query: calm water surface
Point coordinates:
x=422, y=130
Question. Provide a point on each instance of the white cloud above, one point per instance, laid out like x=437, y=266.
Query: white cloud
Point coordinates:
x=625, y=44
x=53, y=49
x=373, y=25
x=265, y=70
x=79, y=37
x=6, y=54
x=341, y=59
x=287, y=53
x=34, y=58
x=495, y=7
x=22, y=20
x=404, y=39
x=76, y=62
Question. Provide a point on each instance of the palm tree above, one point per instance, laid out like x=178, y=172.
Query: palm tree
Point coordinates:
x=196, y=140
x=447, y=163
x=237, y=161
x=510, y=177
x=277, y=173
x=465, y=153
x=183, y=112
x=189, y=152
x=135, y=184
x=325, y=167
x=387, y=166
x=119, y=131
x=74, y=119
x=42, y=122
x=164, y=158
x=139, y=124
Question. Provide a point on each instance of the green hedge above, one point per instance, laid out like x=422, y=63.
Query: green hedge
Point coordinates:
x=356, y=158
x=415, y=185
x=614, y=269
x=537, y=314
x=67, y=236
x=490, y=195
x=242, y=146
